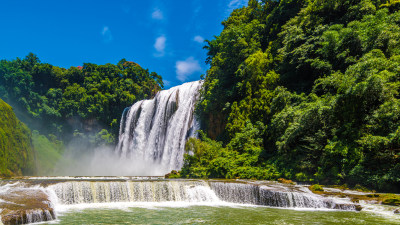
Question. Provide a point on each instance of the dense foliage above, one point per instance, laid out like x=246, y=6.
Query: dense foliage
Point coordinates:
x=16, y=150
x=306, y=90
x=77, y=108
x=78, y=101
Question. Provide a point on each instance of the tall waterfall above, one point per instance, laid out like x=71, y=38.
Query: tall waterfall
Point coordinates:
x=153, y=132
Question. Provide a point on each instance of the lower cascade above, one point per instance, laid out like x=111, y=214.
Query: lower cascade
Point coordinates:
x=48, y=194
x=133, y=191
x=153, y=132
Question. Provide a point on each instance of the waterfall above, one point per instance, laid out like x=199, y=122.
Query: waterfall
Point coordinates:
x=38, y=215
x=275, y=195
x=153, y=132
x=194, y=191
x=69, y=193
x=39, y=199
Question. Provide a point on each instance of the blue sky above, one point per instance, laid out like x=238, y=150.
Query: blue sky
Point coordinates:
x=163, y=36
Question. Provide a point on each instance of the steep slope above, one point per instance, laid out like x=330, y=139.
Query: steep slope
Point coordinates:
x=16, y=151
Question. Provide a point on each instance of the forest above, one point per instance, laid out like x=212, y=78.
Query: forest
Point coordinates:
x=306, y=90
x=80, y=106
x=303, y=90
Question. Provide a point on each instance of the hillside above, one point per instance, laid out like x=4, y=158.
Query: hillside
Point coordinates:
x=16, y=151
x=305, y=90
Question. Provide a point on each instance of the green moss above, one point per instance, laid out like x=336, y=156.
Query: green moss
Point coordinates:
x=16, y=150
x=173, y=174
x=391, y=199
x=316, y=187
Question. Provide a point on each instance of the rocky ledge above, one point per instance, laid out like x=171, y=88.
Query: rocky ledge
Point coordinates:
x=22, y=206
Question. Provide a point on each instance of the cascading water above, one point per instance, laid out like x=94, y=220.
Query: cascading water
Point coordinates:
x=153, y=132
x=275, y=195
x=69, y=193
x=47, y=195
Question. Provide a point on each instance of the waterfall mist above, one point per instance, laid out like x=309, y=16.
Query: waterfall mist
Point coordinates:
x=103, y=161
x=152, y=138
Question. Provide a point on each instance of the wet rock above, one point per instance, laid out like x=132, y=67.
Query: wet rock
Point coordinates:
x=284, y=181
x=391, y=199
x=22, y=216
x=396, y=211
x=358, y=207
x=347, y=206
x=25, y=205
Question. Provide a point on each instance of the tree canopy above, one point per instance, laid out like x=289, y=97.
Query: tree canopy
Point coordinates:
x=306, y=90
x=85, y=99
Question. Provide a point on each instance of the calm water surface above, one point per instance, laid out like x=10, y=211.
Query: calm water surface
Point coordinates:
x=217, y=215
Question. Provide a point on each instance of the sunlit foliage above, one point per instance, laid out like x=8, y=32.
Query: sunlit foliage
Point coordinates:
x=306, y=90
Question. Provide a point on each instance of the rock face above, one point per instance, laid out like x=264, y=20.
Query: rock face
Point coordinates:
x=23, y=206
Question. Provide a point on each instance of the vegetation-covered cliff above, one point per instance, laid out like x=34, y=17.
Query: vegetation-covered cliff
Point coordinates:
x=16, y=150
x=306, y=90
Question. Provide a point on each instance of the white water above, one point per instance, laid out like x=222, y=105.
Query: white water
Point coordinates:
x=276, y=196
x=153, y=132
x=87, y=192
x=69, y=193
x=189, y=192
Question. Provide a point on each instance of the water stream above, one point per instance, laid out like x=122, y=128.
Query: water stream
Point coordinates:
x=155, y=131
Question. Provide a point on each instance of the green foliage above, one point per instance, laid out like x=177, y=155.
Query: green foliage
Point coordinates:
x=90, y=98
x=321, y=77
x=239, y=159
x=16, y=150
x=173, y=174
x=48, y=152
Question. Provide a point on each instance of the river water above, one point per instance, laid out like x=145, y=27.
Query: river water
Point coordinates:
x=169, y=213
x=154, y=200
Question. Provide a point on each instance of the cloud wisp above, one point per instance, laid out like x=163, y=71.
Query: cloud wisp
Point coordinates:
x=198, y=39
x=234, y=4
x=157, y=14
x=106, y=34
x=159, y=45
x=186, y=68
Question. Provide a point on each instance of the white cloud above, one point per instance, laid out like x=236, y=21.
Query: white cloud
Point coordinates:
x=198, y=39
x=186, y=68
x=234, y=4
x=160, y=45
x=106, y=33
x=157, y=14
